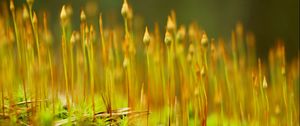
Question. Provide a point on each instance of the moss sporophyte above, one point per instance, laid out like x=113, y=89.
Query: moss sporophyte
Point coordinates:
x=100, y=73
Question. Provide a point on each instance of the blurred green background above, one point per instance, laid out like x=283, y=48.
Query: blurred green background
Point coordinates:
x=269, y=20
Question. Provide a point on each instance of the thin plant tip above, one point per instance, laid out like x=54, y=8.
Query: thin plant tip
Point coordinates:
x=30, y=2
x=126, y=10
x=25, y=13
x=34, y=20
x=265, y=84
x=63, y=13
x=126, y=62
x=171, y=26
x=168, y=38
x=82, y=15
x=12, y=6
x=191, y=49
x=204, y=40
x=146, y=38
x=181, y=33
x=202, y=71
x=73, y=38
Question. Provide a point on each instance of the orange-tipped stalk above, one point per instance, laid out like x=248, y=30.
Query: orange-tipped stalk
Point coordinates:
x=204, y=43
x=72, y=43
x=50, y=57
x=170, y=80
x=52, y=81
x=83, y=44
x=33, y=20
x=104, y=55
x=126, y=65
x=127, y=15
x=2, y=96
x=12, y=9
x=63, y=17
x=91, y=66
x=146, y=41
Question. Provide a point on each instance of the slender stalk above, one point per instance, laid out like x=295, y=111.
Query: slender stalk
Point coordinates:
x=64, y=54
x=109, y=94
x=148, y=88
x=52, y=81
x=127, y=37
x=25, y=94
x=129, y=82
x=33, y=21
x=35, y=33
x=72, y=70
x=18, y=49
x=2, y=85
x=27, y=62
x=83, y=45
x=92, y=81
x=169, y=83
x=16, y=34
x=205, y=102
x=2, y=98
x=102, y=38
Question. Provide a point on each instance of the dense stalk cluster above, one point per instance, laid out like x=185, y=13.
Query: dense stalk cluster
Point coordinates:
x=118, y=76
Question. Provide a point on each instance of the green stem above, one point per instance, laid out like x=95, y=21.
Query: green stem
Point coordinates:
x=169, y=82
x=148, y=93
x=52, y=81
x=2, y=95
x=91, y=62
x=126, y=27
x=64, y=43
x=17, y=36
x=34, y=29
x=72, y=71
x=84, y=60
